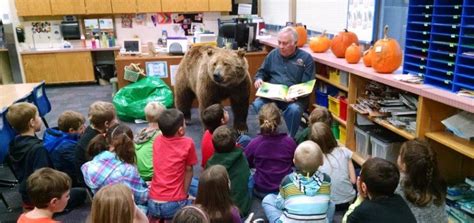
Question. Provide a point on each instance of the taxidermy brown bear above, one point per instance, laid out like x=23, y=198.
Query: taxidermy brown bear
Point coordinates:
x=210, y=75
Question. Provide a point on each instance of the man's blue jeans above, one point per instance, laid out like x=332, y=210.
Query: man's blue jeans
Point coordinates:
x=291, y=112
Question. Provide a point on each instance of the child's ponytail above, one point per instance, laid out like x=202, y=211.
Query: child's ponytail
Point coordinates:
x=423, y=182
x=269, y=118
x=121, y=139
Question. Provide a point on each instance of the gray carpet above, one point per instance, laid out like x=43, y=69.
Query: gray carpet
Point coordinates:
x=78, y=98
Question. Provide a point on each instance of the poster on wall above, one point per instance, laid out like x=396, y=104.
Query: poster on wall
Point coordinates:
x=187, y=20
x=157, y=69
x=127, y=21
x=140, y=19
x=360, y=18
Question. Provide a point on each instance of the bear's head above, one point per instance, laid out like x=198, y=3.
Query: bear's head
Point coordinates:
x=227, y=68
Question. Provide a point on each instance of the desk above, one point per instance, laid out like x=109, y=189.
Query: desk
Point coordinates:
x=10, y=93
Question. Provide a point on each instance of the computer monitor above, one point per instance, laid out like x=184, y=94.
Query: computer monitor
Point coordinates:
x=245, y=34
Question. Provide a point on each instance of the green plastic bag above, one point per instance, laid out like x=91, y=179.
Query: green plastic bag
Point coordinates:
x=130, y=101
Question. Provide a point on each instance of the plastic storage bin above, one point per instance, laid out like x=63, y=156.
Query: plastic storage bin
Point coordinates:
x=343, y=78
x=363, y=140
x=385, y=145
x=335, y=130
x=321, y=99
x=342, y=134
x=333, y=105
x=333, y=75
x=343, y=108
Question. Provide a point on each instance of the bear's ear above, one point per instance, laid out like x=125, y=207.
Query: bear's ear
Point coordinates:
x=210, y=51
x=241, y=53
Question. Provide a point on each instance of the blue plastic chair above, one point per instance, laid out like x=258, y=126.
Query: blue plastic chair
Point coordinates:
x=6, y=135
x=39, y=98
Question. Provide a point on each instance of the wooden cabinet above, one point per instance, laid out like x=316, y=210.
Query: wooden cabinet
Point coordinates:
x=124, y=6
x=68, y=7
x=197, y=5
x=149, y=5
x=220, y=5
x=98, y=6
x=33, y=7
x=75, y=67
x=58, y=67
x=38, y=67
x=173, y=5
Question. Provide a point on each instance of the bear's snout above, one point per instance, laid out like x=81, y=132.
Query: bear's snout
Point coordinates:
x=217, y=77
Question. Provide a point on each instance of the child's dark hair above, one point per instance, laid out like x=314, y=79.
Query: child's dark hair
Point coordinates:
x=269, y=118
x=380, y=176
x=214, y=194
x=121, y=138
x=224, y=139
x=100, y=142
x=211, y=116
x=321, y=134
x=170, y=121
x=191, y=214
x=422, y=183
x=45, y=184
x=320, y=114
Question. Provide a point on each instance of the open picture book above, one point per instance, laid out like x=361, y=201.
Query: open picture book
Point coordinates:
x=282, y=92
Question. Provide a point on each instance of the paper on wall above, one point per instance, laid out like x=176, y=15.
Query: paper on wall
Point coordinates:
x=173, y=71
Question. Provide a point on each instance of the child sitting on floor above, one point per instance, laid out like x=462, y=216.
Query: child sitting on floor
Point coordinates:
x=319, y=114
x=144, y=140
x=304, y=194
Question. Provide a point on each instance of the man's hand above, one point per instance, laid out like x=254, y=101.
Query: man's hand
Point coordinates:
x=258, y=83
x=290, y=99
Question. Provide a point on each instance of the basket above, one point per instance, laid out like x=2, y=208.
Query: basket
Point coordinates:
x=333, y=75
x=342, y=134
x=333, y=105
x=132, y=72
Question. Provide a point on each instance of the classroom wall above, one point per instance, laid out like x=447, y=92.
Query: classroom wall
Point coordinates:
x=150, y=33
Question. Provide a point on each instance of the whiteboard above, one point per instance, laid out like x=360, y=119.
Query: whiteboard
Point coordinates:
x=335, y=15
x=320, y=15
x=275, y=12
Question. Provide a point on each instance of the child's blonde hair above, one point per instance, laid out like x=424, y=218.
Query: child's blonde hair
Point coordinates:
x=191, y=214
x=320, y=114
x=269, y=118
x=113, y=204
x=422, y=182
x=70, y=120
x=20, y=114
x=101, y=112
x=153, y=111
x=308, y=157
x=321, y=134
x=45, y=184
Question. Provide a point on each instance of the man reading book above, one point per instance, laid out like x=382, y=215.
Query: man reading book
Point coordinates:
x=286, y=65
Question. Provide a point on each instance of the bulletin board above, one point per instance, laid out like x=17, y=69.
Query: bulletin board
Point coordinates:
x=335, y=15
x=275, y=12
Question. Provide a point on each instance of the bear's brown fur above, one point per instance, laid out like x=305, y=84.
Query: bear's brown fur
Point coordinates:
x=210, y=75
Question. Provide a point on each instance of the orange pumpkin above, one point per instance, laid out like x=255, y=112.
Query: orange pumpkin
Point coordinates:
x=353, y=54
x=367, y=58
x=320, y=44
x=343, y=40
x=302, y=36
x=387, y=55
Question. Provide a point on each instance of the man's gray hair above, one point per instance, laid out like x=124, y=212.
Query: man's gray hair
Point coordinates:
x=290, y=30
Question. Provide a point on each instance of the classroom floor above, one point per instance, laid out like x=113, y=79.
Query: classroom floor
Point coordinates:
x=78, y=98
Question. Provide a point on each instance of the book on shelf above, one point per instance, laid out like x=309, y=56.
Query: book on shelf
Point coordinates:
x=282, y=92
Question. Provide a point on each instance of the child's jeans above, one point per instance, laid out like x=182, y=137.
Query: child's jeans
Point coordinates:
x=165, y=210
x=273, y=213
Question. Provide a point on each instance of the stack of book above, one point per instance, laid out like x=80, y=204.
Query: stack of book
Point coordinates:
x=380, y=101
x=460, y=201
